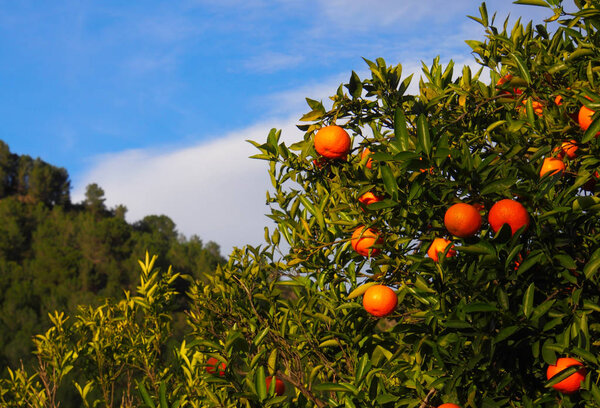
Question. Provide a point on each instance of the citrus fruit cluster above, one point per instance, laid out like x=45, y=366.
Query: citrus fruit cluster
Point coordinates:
x=461, y=220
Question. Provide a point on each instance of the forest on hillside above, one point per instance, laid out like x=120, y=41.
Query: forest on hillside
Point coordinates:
x=56, y=255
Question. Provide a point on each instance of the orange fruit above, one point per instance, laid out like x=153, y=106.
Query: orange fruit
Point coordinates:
x=462, y=220
x=379, y=300
x=369, y=198
x=558, y=100
x=552, y=165
x=568, y=148
x=537, y=106
x=585, y=117
x=518, y=262
x=573, y=382
x=507, y=78
x=424, y=170
x=439, y=245
x=211, y=366
x=363, y=239
x=509, y=212
x=279, y=385
x=366, y=152
x=448, y=405
x=332, y=142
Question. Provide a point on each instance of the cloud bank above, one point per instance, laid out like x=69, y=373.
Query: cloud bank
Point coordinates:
x=211, y=189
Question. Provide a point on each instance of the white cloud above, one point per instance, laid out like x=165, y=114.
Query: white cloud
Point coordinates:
x=213, y=189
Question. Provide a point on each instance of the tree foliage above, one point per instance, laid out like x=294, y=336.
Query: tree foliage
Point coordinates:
x=478, y=329
x=55, y=255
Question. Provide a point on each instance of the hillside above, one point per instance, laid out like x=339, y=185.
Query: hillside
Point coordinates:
x=55, y=254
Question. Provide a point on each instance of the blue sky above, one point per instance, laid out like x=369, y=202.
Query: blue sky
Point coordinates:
x=153, y=100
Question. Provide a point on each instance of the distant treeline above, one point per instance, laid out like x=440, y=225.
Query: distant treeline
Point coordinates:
x=55, y=255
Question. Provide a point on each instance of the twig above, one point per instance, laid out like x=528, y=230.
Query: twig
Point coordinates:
x=425, y=402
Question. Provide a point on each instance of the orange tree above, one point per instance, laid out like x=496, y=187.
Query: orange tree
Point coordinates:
x=479, y=327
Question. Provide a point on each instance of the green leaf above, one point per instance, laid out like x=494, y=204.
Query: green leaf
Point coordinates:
x=585, y=203
x=528, y=300
x=334, y=387
x=480, y=307
x=380, y=205
x=363, y=367
x=261, y=384
x=524, y=72
x=272, y=361
x=389, y=181
x=548, y=353
x=330, y=343
x=542, y=309
x=379, y=353
x=595, y=393
x=484, y=14
x=144, y=394
x=505, y=333
x=479, y=248
x=566, y=261
x=591, y=268
x=360, y=290
x=355, y=85
x=498, y=185
x=258, y=339
x=585, y=355
x=162, y=395
x=423, y=135
x=400, y=131
x=530, y=261
x=458, y=324
x=540, y=3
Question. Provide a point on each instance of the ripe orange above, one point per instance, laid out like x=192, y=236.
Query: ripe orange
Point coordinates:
x=552, y=165
x=364, y=238
x=462, y=220
x=439, y=245
x=538, y=107
x=558, y=100
x=509, y=212
x=585, y=117
x=211, y=366
x=448, y=405
x=332, y=142
x=365, y=153
x=279, y=385
x=568, y=148
x=573, y=382
x=507, y=78
x=379, y=300
x=369, y=198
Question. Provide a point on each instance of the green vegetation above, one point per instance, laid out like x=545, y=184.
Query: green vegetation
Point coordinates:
x=55, y=255
x=478, y=327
